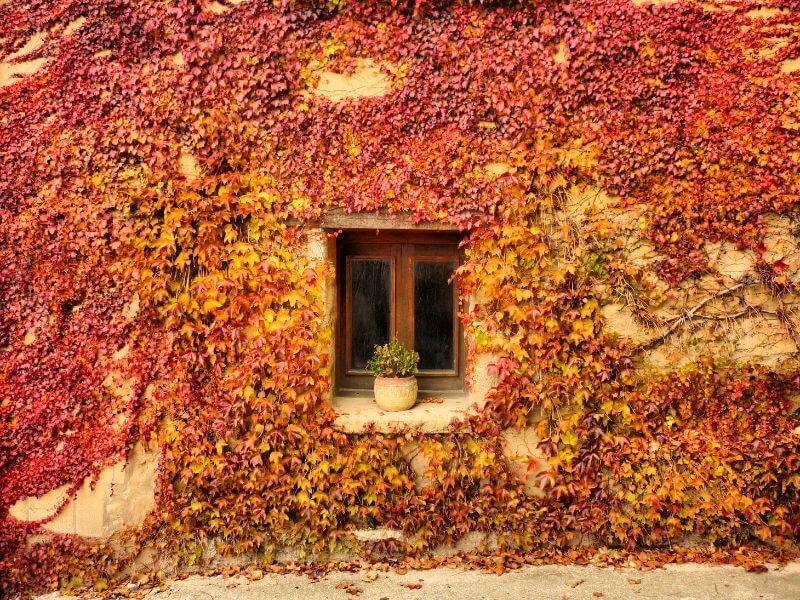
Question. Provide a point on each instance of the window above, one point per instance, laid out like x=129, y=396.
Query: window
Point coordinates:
x=395, y=284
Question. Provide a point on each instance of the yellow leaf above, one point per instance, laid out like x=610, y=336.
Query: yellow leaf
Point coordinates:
x=583, y=327
x=211, y=305
x=589, y=307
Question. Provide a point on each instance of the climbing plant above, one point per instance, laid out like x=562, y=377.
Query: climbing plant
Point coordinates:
x=161, y=165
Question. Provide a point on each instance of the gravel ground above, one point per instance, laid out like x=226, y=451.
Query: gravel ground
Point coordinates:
x=679, y=582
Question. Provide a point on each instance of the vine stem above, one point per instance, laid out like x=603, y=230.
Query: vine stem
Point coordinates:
x=689, y=314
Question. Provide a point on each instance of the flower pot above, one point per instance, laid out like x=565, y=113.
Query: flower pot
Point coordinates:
x=395, y=393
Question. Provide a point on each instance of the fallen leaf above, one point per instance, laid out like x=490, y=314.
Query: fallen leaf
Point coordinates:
x=577, y=583
x=354, y=591
x=431, y=400
x=756, y=568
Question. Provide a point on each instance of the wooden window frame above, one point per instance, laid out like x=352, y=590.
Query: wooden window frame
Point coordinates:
x=403, y=249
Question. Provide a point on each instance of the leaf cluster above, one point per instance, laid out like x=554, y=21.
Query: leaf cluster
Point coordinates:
x=393, y=360
x=161, y=170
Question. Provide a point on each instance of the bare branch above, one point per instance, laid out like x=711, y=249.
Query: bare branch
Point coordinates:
x=691, y=313
x=726, y=317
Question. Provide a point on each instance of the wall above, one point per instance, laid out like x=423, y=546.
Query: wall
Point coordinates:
x=727, y=311
x=357, y=414
x=121, y=496
x=124, y=493
x=723, y=313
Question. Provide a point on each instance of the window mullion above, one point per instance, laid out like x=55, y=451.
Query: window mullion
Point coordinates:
x=403, y=295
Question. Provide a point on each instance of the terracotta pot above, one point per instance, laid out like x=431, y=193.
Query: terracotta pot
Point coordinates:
x=395, y=393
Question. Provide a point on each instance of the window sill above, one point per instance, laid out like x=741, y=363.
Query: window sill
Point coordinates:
x=358, y=413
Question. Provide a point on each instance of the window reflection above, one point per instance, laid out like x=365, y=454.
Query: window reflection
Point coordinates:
x=433, y=314
x=370, y=308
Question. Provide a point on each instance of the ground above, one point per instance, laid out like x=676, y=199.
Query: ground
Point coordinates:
x=679, y=582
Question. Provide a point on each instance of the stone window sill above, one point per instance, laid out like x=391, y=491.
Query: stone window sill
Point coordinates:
x=358, y=412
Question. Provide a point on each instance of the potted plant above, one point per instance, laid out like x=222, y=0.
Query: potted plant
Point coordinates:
x=394, y=367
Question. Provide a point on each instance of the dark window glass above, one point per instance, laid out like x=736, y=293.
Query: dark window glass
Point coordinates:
x=370, y=308
x=433, y=314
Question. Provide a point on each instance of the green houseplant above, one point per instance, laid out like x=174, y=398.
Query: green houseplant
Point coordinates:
x=394, y=367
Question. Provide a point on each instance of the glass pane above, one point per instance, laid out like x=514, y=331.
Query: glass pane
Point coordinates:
x=433, y=314
x=370, y=307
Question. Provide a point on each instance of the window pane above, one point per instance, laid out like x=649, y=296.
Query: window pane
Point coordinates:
x=433, y=314
x=370, y=308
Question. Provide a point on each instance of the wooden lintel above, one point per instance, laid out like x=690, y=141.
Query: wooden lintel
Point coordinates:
x=337, y=218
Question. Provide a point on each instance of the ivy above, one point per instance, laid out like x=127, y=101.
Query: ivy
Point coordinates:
x=139, y=302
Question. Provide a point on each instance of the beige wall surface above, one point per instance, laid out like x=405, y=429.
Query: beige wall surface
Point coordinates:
x=748, y=324
x=123, y=495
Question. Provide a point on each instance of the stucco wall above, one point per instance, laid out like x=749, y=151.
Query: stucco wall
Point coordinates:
x=354, y=415
x=125, y=492
x=727, y=311
x=749, y=324
x=122, y=495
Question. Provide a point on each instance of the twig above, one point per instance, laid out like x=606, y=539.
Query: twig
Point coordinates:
x=725, y=317
x=688, y=315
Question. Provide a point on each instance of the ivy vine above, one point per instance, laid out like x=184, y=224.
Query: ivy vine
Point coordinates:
x=194, y=292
